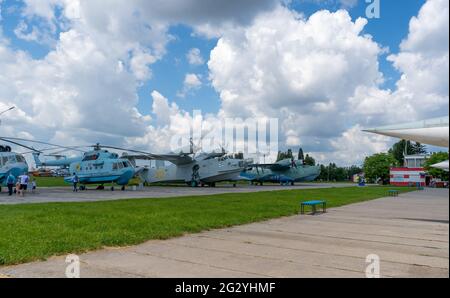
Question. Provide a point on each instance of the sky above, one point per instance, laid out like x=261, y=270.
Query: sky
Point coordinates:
x=131, y=73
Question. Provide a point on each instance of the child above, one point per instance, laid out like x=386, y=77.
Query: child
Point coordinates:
x=17, y=191
x=33, y=186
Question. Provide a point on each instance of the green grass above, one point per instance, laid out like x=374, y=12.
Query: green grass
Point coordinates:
x=37, y=231
x=50, y=181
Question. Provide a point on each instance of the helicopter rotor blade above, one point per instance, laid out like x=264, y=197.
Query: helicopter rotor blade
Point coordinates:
x=9, y=139
x=19, y=144
x=121, y=149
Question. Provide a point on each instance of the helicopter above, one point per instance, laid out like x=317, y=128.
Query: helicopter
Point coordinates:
x=96, y=166
x=11, y=163
x=194, y=170
x=287, y=171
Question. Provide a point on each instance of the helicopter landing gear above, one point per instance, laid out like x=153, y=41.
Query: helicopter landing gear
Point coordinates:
x=122, y=188
x=82, y=188
x=234, y=184
x=101, y=187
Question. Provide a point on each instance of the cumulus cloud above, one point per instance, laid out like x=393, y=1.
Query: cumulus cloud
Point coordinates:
x=301, y=71
x=191, y=82
x=422, y=91
x=194, y=57
x=100, y=55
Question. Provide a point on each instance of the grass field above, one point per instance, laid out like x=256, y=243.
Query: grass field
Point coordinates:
x=50, y=181
x=36, y=231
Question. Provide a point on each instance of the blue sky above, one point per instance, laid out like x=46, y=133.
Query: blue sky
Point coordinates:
x=168, y=73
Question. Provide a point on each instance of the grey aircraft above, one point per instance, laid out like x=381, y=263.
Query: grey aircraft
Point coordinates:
x=194, y=170
x=285, y=171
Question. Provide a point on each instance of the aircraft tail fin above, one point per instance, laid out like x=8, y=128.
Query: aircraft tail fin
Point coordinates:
x=36, y=159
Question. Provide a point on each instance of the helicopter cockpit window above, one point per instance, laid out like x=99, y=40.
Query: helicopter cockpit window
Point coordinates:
x=114, y=166
x=3, y=160
x=11, y=158
x=20, y=158
x=125, y=164
x=91, y=157
x=120, y=165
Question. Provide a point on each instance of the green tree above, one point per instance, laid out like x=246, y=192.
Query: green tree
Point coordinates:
x=378, y=166
x=399, y=149
x=418, y=148
x=309, y=160
x=434, y=159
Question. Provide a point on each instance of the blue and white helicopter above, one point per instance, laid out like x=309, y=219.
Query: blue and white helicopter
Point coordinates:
x=97, y=166
x=11, y=163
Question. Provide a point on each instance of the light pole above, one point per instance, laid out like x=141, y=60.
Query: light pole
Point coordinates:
x=7, y=110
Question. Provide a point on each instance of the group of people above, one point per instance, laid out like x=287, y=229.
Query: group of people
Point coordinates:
x=20, y=184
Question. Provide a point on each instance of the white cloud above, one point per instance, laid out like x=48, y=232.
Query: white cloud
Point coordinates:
x=299, y=70
x=191, y=82
x=194, y=57
x=355, y=145
x=422, y=91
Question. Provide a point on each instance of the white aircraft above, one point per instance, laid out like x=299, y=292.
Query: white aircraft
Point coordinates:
x=432, y=132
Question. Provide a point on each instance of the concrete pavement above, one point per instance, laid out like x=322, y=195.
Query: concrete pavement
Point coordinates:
x=409, y=233
x=65, y=194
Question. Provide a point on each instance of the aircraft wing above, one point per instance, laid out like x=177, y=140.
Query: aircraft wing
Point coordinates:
x=442, y=165
x=176, y=159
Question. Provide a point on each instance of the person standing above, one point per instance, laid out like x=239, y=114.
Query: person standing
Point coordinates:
x=10, y=181
x=33, y=186
x=75, y=181
x=24, y=179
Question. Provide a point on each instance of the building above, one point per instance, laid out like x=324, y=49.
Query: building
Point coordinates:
x=416, y=161
x=408, y=176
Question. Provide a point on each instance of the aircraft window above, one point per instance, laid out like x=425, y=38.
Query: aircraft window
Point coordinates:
x=12, y=158
x=20, y=158
x=125, y=164
x=120, y=165
x=114, y=166
x=4, y=160
x=91, y=157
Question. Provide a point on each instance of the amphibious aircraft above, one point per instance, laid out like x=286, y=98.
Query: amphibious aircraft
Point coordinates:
x=191, y=168
x=285, y=171
x=204, y=169
x=432, y=132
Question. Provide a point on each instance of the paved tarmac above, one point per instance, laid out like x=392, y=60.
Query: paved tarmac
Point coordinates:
x=410, y=234
x=65, y=194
